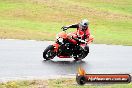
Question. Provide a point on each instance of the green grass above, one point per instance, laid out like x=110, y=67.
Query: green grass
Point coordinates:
x=58, y=83
x=110, y=20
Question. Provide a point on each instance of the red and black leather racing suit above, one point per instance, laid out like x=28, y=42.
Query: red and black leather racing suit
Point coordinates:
x=82, y=34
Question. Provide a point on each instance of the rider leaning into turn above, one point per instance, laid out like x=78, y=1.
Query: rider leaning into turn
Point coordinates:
x=83, y=31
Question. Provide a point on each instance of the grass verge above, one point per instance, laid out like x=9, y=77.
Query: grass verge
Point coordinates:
x=58, y=83
x=110, y=20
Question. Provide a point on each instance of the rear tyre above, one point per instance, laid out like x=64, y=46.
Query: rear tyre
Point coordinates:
x=86, y=51
x=49, y=53
x=79, y=54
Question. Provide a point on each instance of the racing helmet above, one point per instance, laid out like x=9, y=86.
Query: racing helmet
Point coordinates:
x=84, y=24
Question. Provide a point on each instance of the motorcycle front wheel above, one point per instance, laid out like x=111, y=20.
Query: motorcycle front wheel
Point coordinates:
x=49, y=53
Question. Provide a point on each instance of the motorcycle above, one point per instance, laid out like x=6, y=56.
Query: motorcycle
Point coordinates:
x=67, y=45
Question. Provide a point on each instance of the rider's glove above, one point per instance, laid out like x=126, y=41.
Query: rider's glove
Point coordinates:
x=64, y=28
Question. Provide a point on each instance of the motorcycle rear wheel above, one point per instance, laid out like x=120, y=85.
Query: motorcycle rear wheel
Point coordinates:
x=79, y=55
x=86, y=50
x=49, y=53
x=83, y=53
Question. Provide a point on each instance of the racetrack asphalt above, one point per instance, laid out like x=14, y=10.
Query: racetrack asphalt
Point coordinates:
x=23, y=58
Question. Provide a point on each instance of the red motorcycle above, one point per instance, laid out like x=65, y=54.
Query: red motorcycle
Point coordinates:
x=67, y=45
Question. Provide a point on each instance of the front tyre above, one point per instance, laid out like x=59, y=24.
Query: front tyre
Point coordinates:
x=49, y=53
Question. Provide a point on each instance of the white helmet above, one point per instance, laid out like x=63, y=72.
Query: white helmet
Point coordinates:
x=84, y=24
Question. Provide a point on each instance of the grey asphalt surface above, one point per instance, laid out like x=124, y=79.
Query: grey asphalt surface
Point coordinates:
x=23, y=58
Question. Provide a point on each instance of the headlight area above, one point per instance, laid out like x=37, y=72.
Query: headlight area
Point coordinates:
x=60, y=40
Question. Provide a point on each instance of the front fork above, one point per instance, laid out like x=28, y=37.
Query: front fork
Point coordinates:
x=56, y=47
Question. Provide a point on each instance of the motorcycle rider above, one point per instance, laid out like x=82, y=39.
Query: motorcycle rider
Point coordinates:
x=83, y=31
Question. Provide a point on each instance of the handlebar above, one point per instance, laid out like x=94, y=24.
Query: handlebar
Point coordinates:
x=79, y=40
